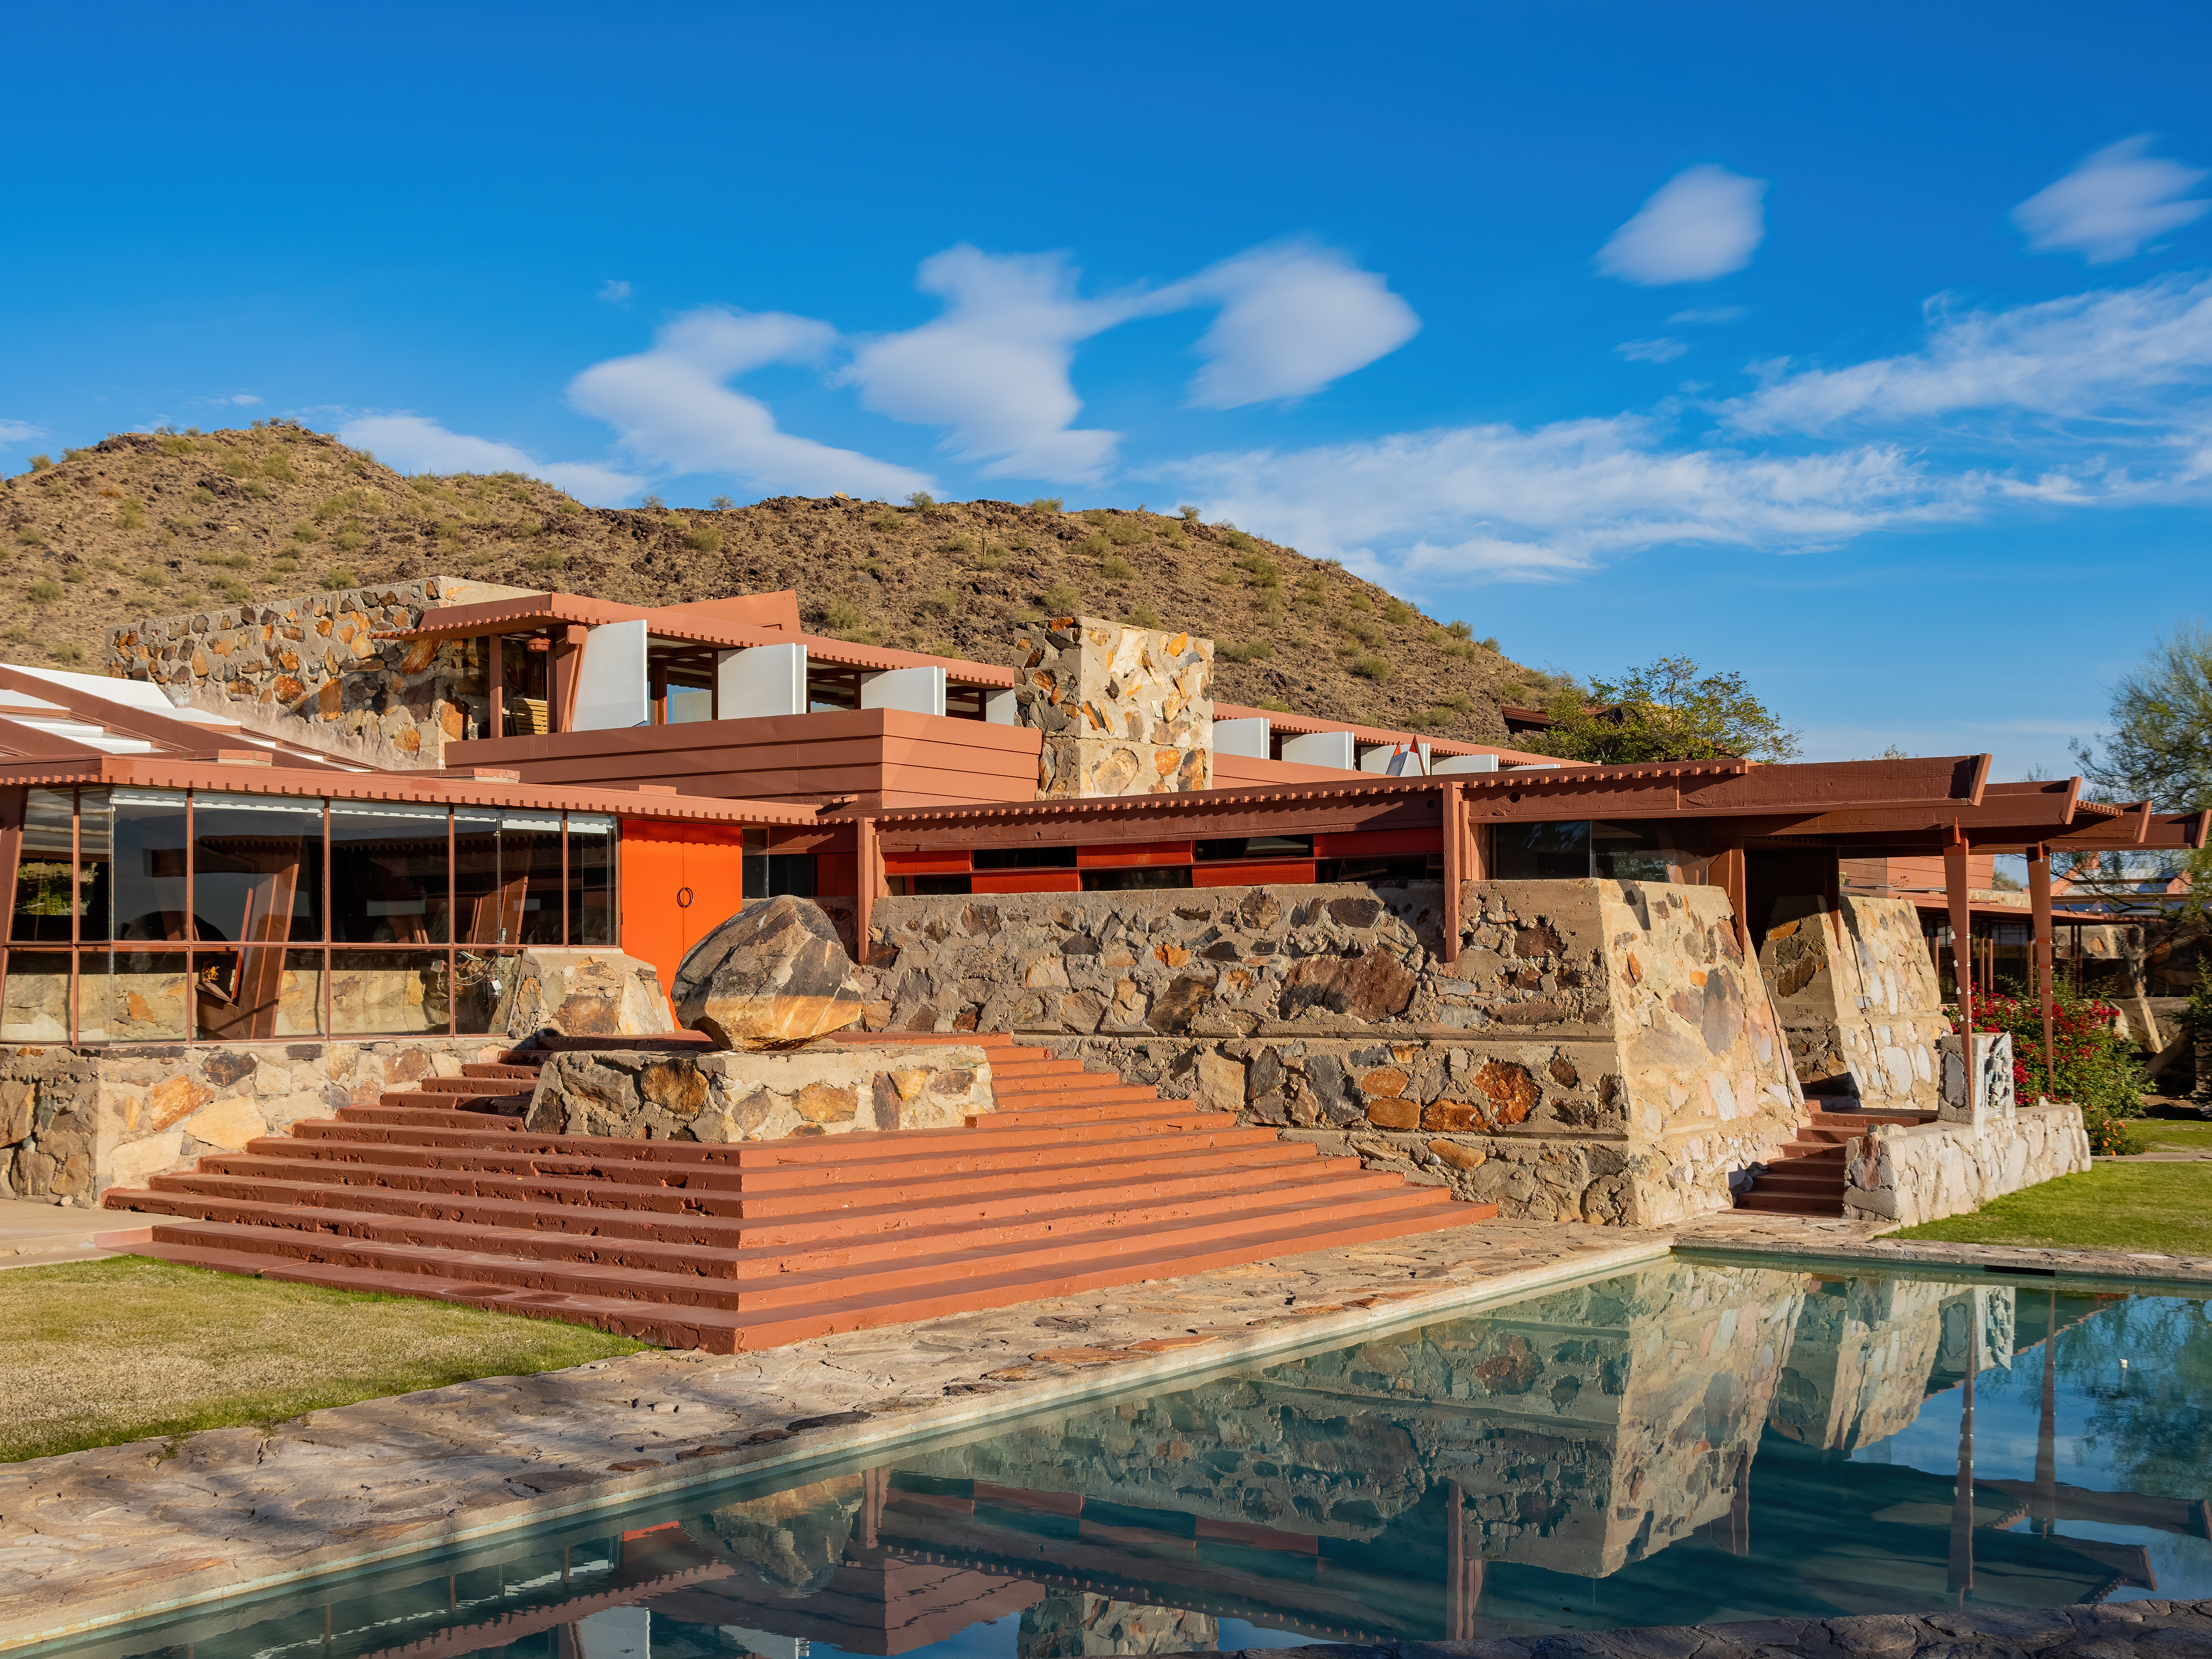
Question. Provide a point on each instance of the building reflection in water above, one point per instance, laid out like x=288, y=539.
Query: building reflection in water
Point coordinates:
x=1686, y=1443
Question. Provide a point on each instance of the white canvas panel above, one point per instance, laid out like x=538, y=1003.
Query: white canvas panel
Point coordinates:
x=1333, y=749
x=1001, y=708
x=1451, y=763
x=767, y=680
x=917, y=690
x=1249, y=737
x=610, y=678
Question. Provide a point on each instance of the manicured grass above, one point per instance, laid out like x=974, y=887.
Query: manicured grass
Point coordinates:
x=2166, y=1207
x=2178, y=1134
x=99, y=1353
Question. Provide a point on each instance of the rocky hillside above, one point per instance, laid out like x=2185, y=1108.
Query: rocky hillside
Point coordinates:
x=159, y=523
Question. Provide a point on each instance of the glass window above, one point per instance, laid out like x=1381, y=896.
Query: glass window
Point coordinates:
x=1639, y=850
x=1256, y=846
x=483, y=912
x=530, y=854
x=1016, y=858
x=1542, y=852
x=148, y=864
x=96, y=841
x=1128, y=881
x=36, y=1008
x=389, y=991
x=591, y=879
x=388, y=873
x=131, y=996
x=257, y=868
x=45, y=879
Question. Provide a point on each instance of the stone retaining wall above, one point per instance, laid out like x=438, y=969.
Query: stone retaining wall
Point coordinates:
x=74, y=1122
x=319, y=669
x=827, y=1088
x=1910, y=1173
x=1856, y=991
x=1600, y=1051
x=1124, y=711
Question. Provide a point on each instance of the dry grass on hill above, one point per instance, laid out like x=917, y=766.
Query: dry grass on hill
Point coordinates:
x=145, y=523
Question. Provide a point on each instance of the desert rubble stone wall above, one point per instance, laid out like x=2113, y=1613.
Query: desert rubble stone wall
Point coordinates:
x=1910, y=1173
x=1856, y=995
x=1600, y=1051
x=74, y=1122
x=1124, y=711
x=322, y=669
x=824, y=1088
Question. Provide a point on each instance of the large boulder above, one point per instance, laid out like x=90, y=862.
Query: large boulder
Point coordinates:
x=773, y=975
x=576, y=991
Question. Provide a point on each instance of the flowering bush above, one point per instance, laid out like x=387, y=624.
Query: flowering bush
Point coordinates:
x=2091, y=1063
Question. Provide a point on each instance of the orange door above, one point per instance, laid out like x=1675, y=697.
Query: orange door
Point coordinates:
x=680, y=882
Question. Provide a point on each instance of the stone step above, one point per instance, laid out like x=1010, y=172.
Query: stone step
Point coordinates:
x=408, y=1116
x=738, y=1274
x=1029, y=1116
x=526, y=1075
x=719, y=1331
x=1788, y=1204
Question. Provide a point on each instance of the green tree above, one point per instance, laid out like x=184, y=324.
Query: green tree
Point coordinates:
x=2158, y=749
x=1665, y=711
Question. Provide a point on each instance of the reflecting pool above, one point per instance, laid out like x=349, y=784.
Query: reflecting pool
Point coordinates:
x=1685, y=1443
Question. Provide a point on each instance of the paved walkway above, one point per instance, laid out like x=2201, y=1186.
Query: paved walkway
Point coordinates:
x=39, y=1235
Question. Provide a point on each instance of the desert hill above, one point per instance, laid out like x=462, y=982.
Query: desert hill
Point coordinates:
x=160, y=524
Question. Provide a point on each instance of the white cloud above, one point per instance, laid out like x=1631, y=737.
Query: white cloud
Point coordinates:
x=1702, y=223
x=995, y=367
x=1711, y=314
x=2111, y=205
x=615, y=292
x=2136, y=363
x=415, y=443
x=1558, y=499
x=19, y=431
x=1660, y=350
x=1293, y=319
x=670, y=404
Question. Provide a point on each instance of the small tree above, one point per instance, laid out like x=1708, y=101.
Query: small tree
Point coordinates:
x=2158, y=749
x=1666, y=711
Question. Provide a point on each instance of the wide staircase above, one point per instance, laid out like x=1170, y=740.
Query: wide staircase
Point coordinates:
x=1807, y=1178
x=1079, y=1181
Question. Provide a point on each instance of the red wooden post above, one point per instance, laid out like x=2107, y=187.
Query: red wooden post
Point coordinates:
x=1455, y=816
x=496, y=671
x=2039, y=895
x=1962, y=937
x=867, y=868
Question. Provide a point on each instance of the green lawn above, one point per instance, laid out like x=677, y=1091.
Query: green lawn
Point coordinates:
x=2166, y=1207
x=2183, y=1134
x=98, y=1352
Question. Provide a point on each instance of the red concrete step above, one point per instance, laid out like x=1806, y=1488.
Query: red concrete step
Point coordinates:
x=764, y=1273
x=722, y=1331
x=1083, y=1180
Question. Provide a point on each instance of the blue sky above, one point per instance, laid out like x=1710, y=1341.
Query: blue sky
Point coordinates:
x=1866, y=349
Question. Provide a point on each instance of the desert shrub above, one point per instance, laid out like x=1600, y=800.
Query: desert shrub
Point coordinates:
x=723, y=504
x=1237, y=539
x=72, y=572
x=340, y=576
x=2092, y=1064
x=153, y=575
x=1143, y=615
x=989, y=557
x=30, y=537
x=1126, y=532
x=1360, y=629
x=1250, y=651
x=1397, y=611
x=942, y=603
x=1098, y=515
x=1093, y=547
x=176, y=446
x=564, y=505
x=233, y=589
x=41, y=463
x=1372, y=668
x=1260, y=568
x=551, y=558
x=1357, y=601
x=922, y=502
x=1047, y=504
x=43, y=591
x=1460, y=630
x=1174, y=537
x=705, y=540
x=653, y=504
x=131, y=515
x=236, y=465
x=1115, y=569
x=1059, y=600
x=1426, y=719
x=350, y=540
x=677, y=522
x=423, y=486
x=1188, y=512
x=885, y=521
x=142, y=602
x=448, y=530
x=283, y=566
x=66, y=651
x=840, y=616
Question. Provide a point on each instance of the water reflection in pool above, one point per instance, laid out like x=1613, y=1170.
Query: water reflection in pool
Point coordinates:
x=1686, y=1443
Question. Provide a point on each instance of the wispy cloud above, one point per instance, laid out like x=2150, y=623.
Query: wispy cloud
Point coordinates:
x=2111, y=205
x=673, y=407
x=2128, y=369
x=1702, y=223
x=615, y=292
x=1710, y=314
x=20, y=432
x=995, y=367
x=1560, y=499
x=1293, y=319
x=1660, y=350
x=415, y=443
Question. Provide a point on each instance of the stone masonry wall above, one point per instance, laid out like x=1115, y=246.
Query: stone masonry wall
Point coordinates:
x=74, y=1122
x=826, y=1088
x=313, y=669
x=1600, y=1051
x=1856, y=995
x=1124, y=711
x=1910, y=1173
